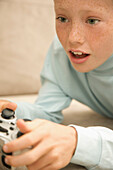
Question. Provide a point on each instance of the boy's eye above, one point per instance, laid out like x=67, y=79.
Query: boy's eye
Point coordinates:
x=93, y=21
x=62, y=19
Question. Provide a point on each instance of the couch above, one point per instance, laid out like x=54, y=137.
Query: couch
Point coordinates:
x=27, y=28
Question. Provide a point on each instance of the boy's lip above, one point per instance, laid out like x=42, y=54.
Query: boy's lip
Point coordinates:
x=78, y=60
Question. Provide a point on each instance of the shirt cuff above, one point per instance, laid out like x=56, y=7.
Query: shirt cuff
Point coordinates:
x=88, y=150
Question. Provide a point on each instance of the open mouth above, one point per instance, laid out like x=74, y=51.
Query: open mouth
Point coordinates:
x=79, y=55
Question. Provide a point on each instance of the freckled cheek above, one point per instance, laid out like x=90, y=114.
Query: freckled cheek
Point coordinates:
x=98, y=40
x=62, y=34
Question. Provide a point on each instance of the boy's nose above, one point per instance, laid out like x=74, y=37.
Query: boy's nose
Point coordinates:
x=76, y=35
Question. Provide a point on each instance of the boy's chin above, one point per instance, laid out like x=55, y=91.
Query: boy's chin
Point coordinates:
x=82, y=69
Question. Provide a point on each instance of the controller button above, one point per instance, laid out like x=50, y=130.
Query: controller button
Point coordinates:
x=3, y=129
x=8, y=114
x=11, y=128
x=12, y=123
x=1, y=121
x=19, y=134
x=3, y=161
x=27, y=120
x=7, y=133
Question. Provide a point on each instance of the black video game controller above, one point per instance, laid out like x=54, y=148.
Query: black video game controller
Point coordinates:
x=8, y=132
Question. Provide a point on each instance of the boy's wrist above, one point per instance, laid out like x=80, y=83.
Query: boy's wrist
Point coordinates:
x=74, y=139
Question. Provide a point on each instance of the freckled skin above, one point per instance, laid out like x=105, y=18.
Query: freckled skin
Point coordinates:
x=96, y=39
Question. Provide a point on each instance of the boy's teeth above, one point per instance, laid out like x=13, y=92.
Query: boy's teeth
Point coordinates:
x=77, y=53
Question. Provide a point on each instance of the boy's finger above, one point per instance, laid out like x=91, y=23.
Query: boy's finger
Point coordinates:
x=24, y=126
x=22, y=142
x=27, y=126
x=29, y=139
x=6, y=104
x=32, y=138
x=31, y=155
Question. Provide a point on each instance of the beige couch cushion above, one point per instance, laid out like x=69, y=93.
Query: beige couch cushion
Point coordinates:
x=26, y=31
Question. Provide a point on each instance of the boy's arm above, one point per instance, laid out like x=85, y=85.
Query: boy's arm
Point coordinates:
x=94, y=148
x=51, y=98
x=48, y=105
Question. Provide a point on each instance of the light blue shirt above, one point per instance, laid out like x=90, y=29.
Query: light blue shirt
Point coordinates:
x=60, y=84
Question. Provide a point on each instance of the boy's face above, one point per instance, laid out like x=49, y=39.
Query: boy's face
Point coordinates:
x=86, y=26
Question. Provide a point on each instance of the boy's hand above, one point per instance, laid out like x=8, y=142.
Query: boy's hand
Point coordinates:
x=7, y=104
x=52, y=144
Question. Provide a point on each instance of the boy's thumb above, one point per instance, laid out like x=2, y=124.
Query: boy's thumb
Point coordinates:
x=7, y=104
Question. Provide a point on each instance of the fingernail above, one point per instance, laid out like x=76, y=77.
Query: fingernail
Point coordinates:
x=6, y=161
x=5, y=148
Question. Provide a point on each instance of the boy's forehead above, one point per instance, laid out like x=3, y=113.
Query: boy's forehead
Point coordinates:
x=84, y=3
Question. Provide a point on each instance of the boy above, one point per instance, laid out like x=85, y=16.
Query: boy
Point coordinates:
x=78, y=66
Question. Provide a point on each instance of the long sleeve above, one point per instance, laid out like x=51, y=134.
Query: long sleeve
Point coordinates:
x=51, y=99
x=95, y=148
x=48, y=105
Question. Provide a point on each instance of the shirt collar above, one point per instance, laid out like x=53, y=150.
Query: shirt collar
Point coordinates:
x=105, y=68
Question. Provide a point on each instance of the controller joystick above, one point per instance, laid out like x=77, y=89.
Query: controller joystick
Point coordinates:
x=8, y=132
x=8, y=114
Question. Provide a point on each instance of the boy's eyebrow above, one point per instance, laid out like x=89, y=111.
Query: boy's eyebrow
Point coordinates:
x=60, y=8
x=84, y=10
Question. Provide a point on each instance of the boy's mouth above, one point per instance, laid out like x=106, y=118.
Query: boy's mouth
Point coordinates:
x=79, y=54
x=78, y=57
